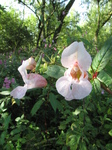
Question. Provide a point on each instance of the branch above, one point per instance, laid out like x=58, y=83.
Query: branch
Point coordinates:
x=107, y=19
x=29, y=8
x=61, y=18
x=106, y=88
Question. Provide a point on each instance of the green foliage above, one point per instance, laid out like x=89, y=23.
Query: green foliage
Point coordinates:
x=104, y=78
x=55, y=71
x=43, y=119
x=36, y=106
x=13, y=32
x=103, y=56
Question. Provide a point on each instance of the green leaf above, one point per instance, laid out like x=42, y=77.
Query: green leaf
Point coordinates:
x=79, y=29
x=110, y=132
x=38, y=63
x=36, y=107
x=52, y=99
x=5, y=93
x=55, y=71
x=54, y=102
x=104, y=78
x=103, y=56
x=97, y=85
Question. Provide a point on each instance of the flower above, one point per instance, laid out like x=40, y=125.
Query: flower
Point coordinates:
x=74, y=84
x=31, y=80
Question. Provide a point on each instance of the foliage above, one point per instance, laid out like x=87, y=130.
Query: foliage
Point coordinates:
x=13, y=32
x=43, y=119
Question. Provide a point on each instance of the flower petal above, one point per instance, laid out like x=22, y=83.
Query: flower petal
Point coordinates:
x=19, y=92
x=81, y=89
x=27, y=64
x=83, y=57
x=76, y=52
x=35, y=81
x=63, y=85
x=69, y=55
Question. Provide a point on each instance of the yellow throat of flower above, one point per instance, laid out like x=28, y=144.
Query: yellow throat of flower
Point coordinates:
x=75, y=72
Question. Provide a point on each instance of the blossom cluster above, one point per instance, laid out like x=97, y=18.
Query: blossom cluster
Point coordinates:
x=73, y=85
x=8, y=82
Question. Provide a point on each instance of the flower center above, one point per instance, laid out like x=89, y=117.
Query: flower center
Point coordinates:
x=75, y=72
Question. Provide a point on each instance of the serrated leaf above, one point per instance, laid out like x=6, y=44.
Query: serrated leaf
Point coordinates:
x=104, y=78
x=55, y=71
x=36, y=107
x=5, y=93
x=103, y=56
x=97, y=85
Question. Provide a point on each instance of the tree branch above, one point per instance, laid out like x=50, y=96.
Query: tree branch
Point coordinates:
x=61, y=17
x=29, y=8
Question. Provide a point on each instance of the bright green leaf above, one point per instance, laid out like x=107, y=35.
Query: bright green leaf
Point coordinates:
x=110, y=132
x=103, y=56
x=38, y=63
x=55, y=71
x=5, y=93
x=97, y=85
x=104, y=78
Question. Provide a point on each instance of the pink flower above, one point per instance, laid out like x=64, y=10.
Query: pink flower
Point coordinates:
x=31, y=80
x=74, y=84
x=45, y=45
x=49, y=45
x=55, y=48
x=13, y=80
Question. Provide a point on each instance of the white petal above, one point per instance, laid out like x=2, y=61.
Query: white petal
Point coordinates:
x=76, y=52
x=19, y=92
x=63, y=85
x=69, y=55
x=81, y=89
x=83, y=57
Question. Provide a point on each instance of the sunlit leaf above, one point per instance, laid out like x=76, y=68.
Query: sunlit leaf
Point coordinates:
x=104, y=78
x=103, y=56
x=97, y=85
x=38, y=63
x=5, y=93
x=110, y=132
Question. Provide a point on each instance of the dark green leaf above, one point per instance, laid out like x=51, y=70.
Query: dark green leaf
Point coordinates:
x=36, y=107
x=103, y=56
x=55, y=71
x=54, y=102
x=52, y=99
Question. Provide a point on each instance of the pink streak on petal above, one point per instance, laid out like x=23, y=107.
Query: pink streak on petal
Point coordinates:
x=35, y=81
x=19, y=92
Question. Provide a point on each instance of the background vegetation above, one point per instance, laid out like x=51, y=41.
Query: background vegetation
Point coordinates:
x=43, y=119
